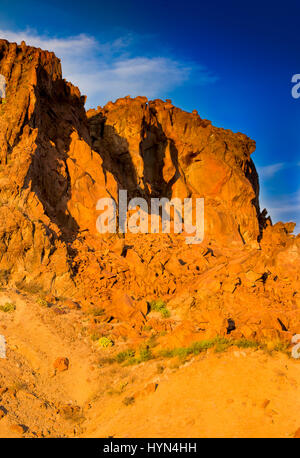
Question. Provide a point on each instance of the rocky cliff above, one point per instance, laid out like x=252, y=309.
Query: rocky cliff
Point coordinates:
x=154, y=149
x=50, y=177
x=57, y=161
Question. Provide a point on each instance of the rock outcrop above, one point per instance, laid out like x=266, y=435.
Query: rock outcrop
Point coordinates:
x=57, y=161
x=154, y=149
x=50, y=178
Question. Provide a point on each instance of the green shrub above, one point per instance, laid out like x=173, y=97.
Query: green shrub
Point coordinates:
x=145, y=354
x=124, y=355
x=282, y=347
x=202, y=345
x=8, y=307
x=42, y=302
x=220, y=344
x=160, y=306
x=97, y=311
x=245, y=343
x=165, y=313
x=130, y=358
x=105, y=342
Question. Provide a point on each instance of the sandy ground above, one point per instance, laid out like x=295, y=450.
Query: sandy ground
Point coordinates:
x=238, y=393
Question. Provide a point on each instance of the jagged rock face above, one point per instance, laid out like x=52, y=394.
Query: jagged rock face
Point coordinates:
x=56, y=163
x=154, y=149
x=50, y=178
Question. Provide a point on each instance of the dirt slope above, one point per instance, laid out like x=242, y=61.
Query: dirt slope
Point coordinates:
x=238, y=393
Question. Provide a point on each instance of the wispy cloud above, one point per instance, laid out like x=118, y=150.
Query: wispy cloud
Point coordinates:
x=268, y=171
x=106, y=71
x=285, y=207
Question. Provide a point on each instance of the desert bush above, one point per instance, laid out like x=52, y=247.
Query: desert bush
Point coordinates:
x=160, y=306
x=42, y=302
x=246, y=343
x=129, y=357
x=124, y=355
x=219, y=344
x=104, y=342
x=8, y=307
x=145, y=354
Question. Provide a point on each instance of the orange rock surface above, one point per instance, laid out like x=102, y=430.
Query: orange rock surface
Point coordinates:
x=57, y=160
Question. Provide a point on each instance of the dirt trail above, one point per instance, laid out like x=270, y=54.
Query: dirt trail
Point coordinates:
x=239, y=393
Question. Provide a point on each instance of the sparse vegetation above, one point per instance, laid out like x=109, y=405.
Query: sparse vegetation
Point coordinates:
x=97, y=311
x=129, y=357
x=145, y=354
x=8, y=307
x=160, y=306
x=277, y=346
x=218, y=344
x=42, y=302
x=129, y=400
x=104, y=342
x=221, y=344
x=104, y=361
x=124, y=355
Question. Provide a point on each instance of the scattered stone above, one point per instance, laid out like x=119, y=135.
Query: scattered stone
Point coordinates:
x=61, y=364
x=151, y=387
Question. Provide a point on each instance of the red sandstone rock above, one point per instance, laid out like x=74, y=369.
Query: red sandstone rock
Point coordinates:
x=61, y=364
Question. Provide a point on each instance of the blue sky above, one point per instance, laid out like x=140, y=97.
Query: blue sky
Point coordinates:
x=232, y=61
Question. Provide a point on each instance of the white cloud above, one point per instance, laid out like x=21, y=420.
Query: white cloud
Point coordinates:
x=268, y=171
x=285, y=207
x=107, y=71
